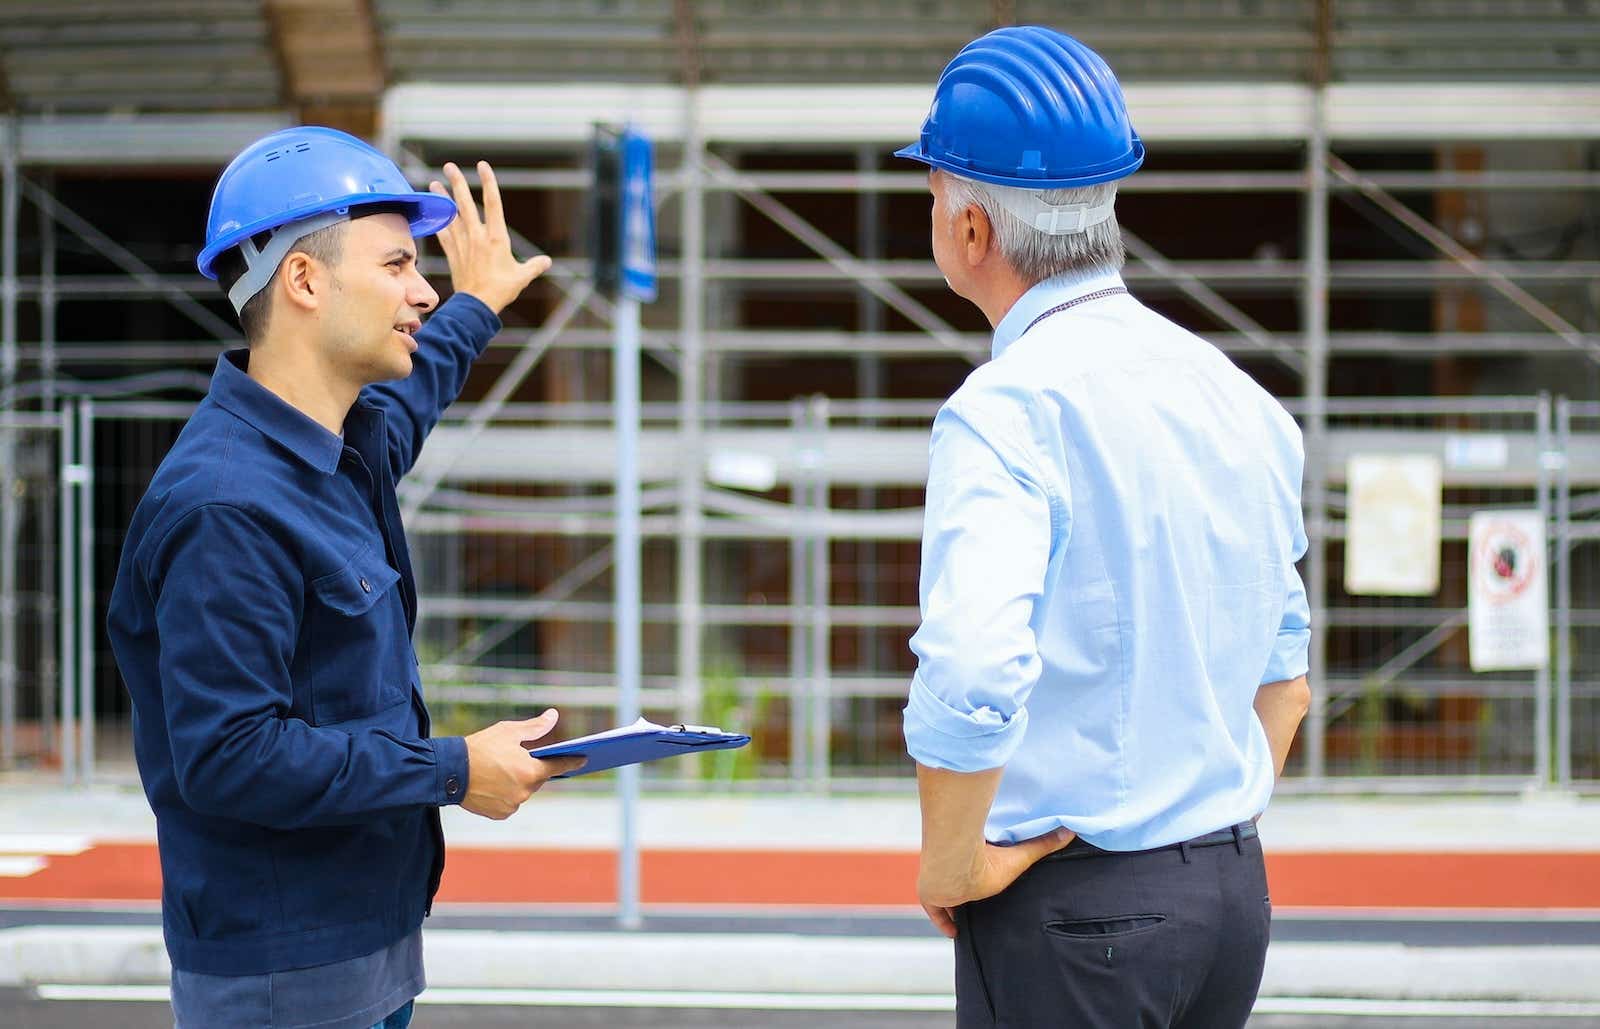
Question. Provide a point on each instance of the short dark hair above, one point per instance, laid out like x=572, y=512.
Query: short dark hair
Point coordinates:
x=325, y=245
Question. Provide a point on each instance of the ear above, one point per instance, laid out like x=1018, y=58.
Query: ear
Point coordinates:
x=302, y=281
x=977, y=235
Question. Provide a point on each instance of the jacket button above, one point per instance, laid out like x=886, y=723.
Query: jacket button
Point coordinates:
x=366, y=587
x=452, y=786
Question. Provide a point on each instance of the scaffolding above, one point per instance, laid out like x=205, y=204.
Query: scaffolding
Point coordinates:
x=817, y=497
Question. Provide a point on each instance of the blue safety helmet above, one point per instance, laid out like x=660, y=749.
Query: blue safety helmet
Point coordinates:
x=305, y=178
x=1029, y=107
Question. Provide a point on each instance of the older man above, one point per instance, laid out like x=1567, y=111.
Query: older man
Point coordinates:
x=1112, y=657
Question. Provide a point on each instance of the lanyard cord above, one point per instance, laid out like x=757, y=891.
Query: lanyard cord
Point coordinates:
x=1099, y=294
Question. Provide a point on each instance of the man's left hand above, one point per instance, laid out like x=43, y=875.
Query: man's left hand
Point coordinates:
x=993, y=869
x=479, y=249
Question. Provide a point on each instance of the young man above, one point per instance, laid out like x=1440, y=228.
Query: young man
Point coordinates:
x=1112, y=658
x=264, y=604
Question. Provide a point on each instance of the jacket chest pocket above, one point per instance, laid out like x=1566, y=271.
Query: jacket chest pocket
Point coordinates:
x=362, y=654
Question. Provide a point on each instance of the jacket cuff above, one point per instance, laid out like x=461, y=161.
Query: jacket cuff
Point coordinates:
x=941, y=736
x=474, y=316
x=449, y=769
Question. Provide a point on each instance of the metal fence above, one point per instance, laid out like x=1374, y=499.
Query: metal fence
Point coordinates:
x=807, y=538
x=1398, y=706
x=1577, y=609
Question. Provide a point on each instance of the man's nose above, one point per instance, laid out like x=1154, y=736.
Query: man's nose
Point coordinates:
x=421, y=295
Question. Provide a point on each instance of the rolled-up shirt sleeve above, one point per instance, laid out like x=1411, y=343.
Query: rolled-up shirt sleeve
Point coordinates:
x=1291, y=651
x=985, y=549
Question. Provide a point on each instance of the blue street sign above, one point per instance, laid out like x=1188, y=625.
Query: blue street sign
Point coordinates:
x=638, y=218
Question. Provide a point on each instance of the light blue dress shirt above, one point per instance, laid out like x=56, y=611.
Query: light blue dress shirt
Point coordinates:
x=1108, y=574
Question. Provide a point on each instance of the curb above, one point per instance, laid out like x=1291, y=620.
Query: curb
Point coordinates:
x=792, y=964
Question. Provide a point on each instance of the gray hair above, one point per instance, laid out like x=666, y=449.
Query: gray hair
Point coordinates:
x=1036, y=255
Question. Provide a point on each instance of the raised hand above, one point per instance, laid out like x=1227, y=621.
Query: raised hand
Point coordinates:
x=479, y=248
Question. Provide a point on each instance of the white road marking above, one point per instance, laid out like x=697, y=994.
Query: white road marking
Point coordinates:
x=21, y=867
x=44, y=843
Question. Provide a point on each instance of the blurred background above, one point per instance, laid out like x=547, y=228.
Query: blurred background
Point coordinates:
x=1388, y=213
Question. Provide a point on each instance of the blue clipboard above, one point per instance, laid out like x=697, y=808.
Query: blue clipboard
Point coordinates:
x=642, y=741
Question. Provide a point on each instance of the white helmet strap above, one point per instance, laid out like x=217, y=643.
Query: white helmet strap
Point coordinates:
x=261, y=265
x=1029, y=207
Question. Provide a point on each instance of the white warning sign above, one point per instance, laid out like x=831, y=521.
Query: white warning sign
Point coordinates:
x=1508, y=615
x=1392, y=525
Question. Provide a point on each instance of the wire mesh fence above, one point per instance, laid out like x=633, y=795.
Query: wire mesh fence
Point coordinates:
x=807, y=541
x=1577, y=621
x=1401, y=698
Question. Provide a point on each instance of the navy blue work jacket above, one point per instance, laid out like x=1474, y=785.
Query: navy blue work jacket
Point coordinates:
x=262, y=620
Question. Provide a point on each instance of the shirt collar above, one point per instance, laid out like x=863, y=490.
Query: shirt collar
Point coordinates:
x=1041, y=298
x=234, y=390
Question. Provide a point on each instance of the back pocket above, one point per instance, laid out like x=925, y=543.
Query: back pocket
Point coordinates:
x=1103, y=928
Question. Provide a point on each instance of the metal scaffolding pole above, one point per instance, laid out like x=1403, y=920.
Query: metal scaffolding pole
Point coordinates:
x=626, y=575
x=1470, y=262
x=1542, y=713
x=691, y=446
x=869, y=383
x=143, y=275
x=1563, y=552
x=1314, y=309
x=67, y=607
x=868, y=274
x=421, y=488
x=49, y=492
x=821, y=729
x=8, y=441
x=799, y=590
x=86, y=620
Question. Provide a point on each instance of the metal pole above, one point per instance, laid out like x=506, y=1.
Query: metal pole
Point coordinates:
x=67, y=608
x=1541, y=676
x=869, y=385
x=12, y=202
x=799, y=590
x=821, y=701
x=86, y=608
x=50, y=492
x=1315, y=315
x=691, y=450
x=625, y=383
x=1563, y=551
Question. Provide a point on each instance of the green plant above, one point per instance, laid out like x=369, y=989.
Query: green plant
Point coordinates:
x=725, y=705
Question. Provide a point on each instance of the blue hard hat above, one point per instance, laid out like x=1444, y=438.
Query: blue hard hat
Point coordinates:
x=299, y=173
x=1029, y=107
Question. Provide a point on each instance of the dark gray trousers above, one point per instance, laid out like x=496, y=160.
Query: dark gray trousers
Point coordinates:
x=1157, y=939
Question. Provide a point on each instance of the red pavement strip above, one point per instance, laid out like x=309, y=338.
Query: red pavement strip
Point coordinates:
x=130, y=872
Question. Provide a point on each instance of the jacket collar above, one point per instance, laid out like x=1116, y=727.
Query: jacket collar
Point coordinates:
x=234, y=391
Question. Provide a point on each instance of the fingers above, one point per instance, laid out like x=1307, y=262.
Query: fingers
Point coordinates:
x=447, y=235
x=1048, y=844
x=1029, y=851
x=550, y=767
x=538, y=727
x=461, y=193
x=537, y=266
x=494, y=215
x=943, y=919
